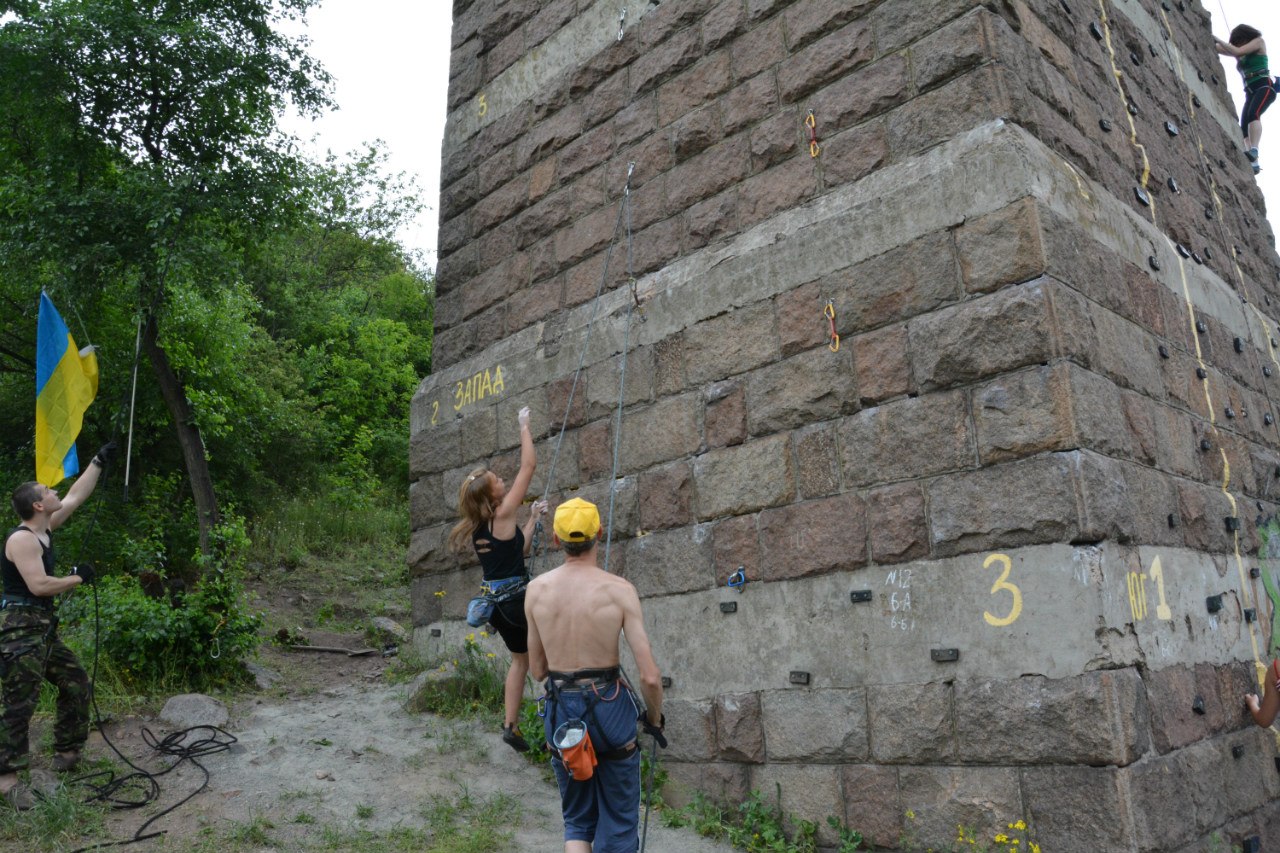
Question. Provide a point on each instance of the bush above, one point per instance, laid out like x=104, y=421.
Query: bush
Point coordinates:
x=198, y=640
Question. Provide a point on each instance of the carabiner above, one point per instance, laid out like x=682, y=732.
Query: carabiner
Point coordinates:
x=738, y=579
x=830, y=313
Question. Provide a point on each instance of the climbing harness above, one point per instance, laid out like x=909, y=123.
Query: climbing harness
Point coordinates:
x=492, y=593
x=811, y=122
x=830, y=313
x=571, y=741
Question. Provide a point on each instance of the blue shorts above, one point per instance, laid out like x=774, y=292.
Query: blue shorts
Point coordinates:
x=605, y=809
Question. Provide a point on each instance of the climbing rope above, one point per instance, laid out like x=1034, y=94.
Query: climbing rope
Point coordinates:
x=623, y=220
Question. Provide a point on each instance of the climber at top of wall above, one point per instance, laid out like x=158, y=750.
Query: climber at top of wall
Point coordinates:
x=1250, y=51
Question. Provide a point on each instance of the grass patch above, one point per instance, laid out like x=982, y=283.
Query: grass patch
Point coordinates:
x=58, y=823
x=467, y=825
x=467, y=684
x=758, y=827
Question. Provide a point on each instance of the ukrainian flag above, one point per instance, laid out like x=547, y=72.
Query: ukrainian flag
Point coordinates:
x=66, y=383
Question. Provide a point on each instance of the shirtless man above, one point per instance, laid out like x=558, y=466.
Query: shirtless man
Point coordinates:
x=576, y=613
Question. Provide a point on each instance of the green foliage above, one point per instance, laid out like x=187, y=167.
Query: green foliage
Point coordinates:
x=471, y=683
x=466, y=825
x=60, y=822
x=758, y=827
x=198, y=639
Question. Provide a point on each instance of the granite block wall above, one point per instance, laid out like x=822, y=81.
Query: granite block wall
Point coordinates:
x=981, y=533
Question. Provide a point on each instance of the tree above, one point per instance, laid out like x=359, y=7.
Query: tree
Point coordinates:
x=138, y=145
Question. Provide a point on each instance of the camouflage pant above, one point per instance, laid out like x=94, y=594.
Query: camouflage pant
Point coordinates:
x=29, y=653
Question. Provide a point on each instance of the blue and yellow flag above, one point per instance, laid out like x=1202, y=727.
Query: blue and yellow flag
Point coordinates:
x=66, y=383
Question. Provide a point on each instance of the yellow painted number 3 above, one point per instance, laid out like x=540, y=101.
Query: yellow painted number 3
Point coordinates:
x=1002, y=583
x=484, y=105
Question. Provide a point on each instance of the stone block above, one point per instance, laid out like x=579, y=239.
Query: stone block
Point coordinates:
x=696, y=132
x=703, y=176
x=749, y=103
x=746, y=478
x=725, y=783
x=983, y=800
x=882, y=364
x=808, y=792
x=801, y=323
x=723, y=22
x=814, y=537
x=739, y=727
x=710, y=220
x=761, y=47
x=1099, y=718
x=815, y=726
x=817, y=462
x=816, y=385
x=776, y=190
x=1004, y=506
x=867, y=92
x=435, y=448
x=736, y=545
x=956, y=48
x=691, y=729
x=937, y=115
x=1009, y=329
x=651, y=68
x=904, y=439
x=775, y=139
x=734, y=342
x=912, y=723
x=1172, y=693
x=1079, y=809
x=428, y=502
x=666, y=430
x=899, y=529
x=671, y=561
x=605, y=383
x=901, y=22
x=726, y=415
x=695, y=87
x=872, y=802
x=827, y=59
x=428, y=552
x=1024, y=413
x=855, y=153
x=665, y=496
x=906, y=282
x=1001, y=248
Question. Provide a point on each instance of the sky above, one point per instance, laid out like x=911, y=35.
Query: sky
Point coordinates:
x=390, y=63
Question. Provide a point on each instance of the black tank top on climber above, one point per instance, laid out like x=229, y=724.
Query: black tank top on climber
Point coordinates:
x=11, y=582
x=500, y=559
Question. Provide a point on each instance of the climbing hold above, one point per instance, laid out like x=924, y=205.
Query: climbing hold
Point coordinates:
x=1154, y=262
x=1166, y=7
x=666, y=681
x=728, y=607
x=1173, y=185
x=1230, y=413
x=1133, y=108
x=1267, y=419
x=1134, y=58
x=1205, y=445
x=1233, y=523
x=799, y=677
x=859, y=596
x=1255, y=572
x=1200, y=74
x=1197, y=704
x=1214, y=77
x=1207, y=253
x=1163, y=350
x=1065, y=7
x=1171, y=128
x=1274, y=344
x=1237, y=749
x=1151, y=48
x=1195, y=256
x=1201, y=326
x=1238, y=343
x=1141, y=195
x=435, y=632
x=944, y=655
x=1222, y=164
x=1195, y=99
x=1201, y=373
x=1183, y=250
x=1105, y=125
x=1095, y=30
x=1266, y=371
x=1250, y=614
x=1173, y=520
x=1208, y=212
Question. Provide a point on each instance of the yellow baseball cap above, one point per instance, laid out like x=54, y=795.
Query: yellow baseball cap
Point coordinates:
x=577, y=521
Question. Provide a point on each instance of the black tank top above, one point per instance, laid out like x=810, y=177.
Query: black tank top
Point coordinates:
x=504, y=557
x=10, y=578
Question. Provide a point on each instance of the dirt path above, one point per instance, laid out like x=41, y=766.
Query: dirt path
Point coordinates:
x=329, y=753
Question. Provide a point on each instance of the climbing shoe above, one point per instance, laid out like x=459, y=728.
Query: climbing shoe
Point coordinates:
x=1256, y=167
x=1252, y=155
x=512, y=737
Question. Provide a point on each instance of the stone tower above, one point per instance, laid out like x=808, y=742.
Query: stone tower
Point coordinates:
x=1001, y=537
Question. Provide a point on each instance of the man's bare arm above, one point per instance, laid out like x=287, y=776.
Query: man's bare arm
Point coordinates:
x=638, y=639
x=538, y=667
x=77, y=494
x=24, y=550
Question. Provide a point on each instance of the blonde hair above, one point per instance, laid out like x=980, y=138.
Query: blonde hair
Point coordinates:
x=475, y=505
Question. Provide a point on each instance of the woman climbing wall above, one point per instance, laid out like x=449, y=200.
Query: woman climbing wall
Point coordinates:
x=1250, y=51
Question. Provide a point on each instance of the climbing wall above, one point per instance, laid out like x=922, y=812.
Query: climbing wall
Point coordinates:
x=950, y=325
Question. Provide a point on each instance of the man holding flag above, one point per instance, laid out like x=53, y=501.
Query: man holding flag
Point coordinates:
x=30, y=650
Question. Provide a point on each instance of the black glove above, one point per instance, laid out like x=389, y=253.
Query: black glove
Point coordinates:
x=105, y=454
x=85, y=572
x=653, y=731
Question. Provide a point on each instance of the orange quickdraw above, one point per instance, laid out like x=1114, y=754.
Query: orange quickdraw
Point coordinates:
x=830, y=312
x=811, y=122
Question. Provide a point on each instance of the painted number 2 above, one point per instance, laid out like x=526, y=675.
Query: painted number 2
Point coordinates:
x=1002, y=583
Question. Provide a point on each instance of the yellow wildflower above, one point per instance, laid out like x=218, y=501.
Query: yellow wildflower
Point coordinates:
x=471, y=638
x=911, y=815
x=1020, y=825
x=439, y=593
